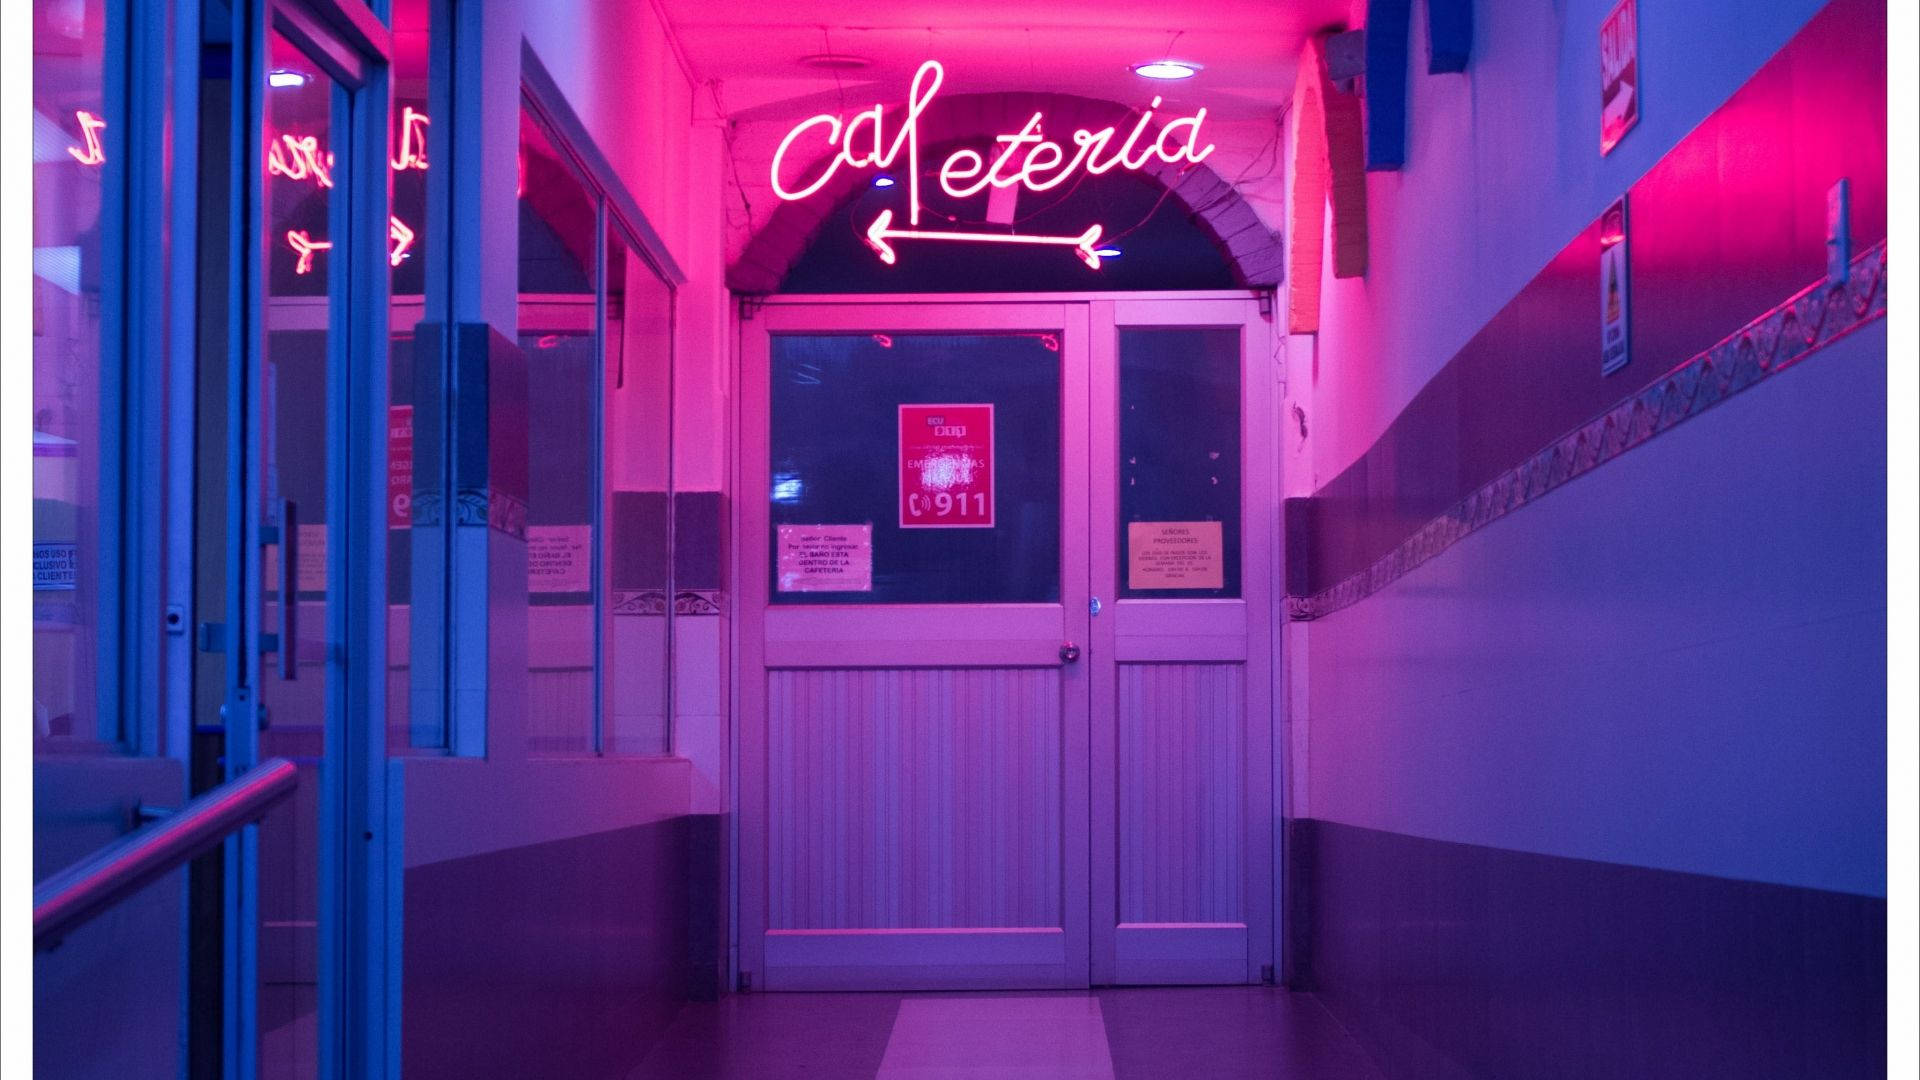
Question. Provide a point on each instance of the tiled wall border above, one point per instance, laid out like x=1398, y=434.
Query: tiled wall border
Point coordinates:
x=1817, y=316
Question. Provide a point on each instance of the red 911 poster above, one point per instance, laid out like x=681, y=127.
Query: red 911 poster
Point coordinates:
x=946, y=466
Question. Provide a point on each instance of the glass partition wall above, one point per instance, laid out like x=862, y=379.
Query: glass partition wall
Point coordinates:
x=596, y=321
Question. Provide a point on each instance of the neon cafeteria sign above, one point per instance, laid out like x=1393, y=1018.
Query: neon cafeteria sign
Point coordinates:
x=1044, y=165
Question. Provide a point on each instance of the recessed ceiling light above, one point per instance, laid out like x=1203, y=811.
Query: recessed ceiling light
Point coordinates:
x=283, y=77
x=834, y=62
x=883, y=180
x=1108, y=252
x=1166, y=69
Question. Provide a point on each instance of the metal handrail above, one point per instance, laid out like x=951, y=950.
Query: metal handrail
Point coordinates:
x=66, y=900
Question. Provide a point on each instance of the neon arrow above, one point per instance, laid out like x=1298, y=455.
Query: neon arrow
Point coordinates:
x=878, y=234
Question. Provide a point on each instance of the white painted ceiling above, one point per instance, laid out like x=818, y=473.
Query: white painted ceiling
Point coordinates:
x=751, y=51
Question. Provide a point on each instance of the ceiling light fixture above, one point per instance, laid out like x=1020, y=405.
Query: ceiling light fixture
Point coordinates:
x=285, y=78
x=883, y=180
x=1108, y=252
x=1166, y=69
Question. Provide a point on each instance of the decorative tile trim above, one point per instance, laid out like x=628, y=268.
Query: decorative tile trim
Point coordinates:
x=640, y=602
x=1817, y=316
x=697, y=602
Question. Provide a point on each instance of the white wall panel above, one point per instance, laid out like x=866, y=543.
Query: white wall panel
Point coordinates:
x=914, y=798
x=1179, y=792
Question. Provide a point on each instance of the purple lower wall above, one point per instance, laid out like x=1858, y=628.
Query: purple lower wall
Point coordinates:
x=1456, y=960
x=566, y=958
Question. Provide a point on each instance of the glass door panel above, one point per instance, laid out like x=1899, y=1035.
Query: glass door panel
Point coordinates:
x=1183, y=510
x=917, y=721
x=303, y=120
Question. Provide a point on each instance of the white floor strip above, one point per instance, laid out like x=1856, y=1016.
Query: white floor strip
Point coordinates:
x=999, y=1038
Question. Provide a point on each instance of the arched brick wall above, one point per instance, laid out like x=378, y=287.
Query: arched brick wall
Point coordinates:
x=1254, y=251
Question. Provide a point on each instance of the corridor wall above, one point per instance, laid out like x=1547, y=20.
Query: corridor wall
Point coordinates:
x=1587, y=739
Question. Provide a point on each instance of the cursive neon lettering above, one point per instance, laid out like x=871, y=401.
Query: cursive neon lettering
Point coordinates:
x=1026, y=158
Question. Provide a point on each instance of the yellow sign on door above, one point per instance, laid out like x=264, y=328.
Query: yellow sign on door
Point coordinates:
x=1174, y=555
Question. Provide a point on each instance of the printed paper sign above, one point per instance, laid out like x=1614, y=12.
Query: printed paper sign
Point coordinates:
x=825, y=558
x=1175, y=555
x=56, y=567
x=1619, y=74
x=1615, y=341
x=399, y=466
x=311, y=572
x=559, y=558
x=946, y=466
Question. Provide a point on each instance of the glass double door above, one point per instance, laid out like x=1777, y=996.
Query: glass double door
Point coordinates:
x=1005, y=574
x=289, y=537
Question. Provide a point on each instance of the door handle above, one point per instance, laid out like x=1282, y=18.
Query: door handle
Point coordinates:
x=1069, y=653
x=289, y=578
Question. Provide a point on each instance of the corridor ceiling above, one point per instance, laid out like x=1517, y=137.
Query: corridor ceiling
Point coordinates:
x=753, y=51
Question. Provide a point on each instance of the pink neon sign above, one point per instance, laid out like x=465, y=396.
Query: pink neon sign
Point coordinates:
x=299, y=157
x=1026, y=159
x=304, y=246
x=90, y=126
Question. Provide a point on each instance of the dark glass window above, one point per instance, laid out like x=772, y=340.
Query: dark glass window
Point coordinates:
x=1180, y=446
x=835, y=460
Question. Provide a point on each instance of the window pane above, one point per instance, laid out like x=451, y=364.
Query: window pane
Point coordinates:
x=71, y=142
x=301, y=118
x=1179, y=463
x=982, y=521
x=639, y=628
x=559, y=236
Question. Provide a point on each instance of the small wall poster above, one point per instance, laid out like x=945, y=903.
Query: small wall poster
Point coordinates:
x=559, y=558
x=56, y=567
x=310, y=573
x=1175, y=555
x=399, y=466
x=1619, y=74
x=946, y=466
x=1615, y=341
x=825, y=558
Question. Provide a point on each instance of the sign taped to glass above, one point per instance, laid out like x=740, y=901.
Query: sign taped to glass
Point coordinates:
x=946, y=466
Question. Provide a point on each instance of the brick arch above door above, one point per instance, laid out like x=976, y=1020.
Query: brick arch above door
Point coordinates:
x=1253, y=250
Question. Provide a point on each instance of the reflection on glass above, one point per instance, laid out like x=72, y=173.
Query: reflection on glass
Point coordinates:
x=71, y=140
x=837, y=460
x=638, y=630
x=1179, y=463
x=415, y=623
x=559, y=234
x=298, y=133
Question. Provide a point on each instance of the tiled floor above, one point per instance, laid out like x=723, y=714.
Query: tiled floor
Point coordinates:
x=1230, y=1033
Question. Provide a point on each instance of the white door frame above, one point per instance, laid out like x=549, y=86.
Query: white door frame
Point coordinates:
x=1261, y=560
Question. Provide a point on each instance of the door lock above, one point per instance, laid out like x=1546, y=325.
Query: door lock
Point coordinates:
x=1069, y=653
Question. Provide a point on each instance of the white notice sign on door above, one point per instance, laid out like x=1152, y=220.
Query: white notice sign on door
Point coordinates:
x=1174, y=555
x=826, y=558
x=559, y=558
